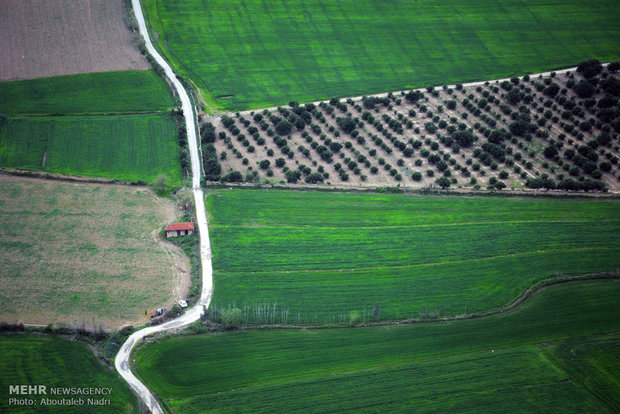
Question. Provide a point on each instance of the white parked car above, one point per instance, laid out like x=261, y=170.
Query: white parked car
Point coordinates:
x=182, y=303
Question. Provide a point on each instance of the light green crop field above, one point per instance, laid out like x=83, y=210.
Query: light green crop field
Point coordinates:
x=55, y=362
x=461, y=366
x=123, y=147
x=317, y=257
x=249, y=53
x=91, y=93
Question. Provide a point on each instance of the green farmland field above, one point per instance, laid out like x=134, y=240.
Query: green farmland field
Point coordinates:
x=54, y=362
x=317, y=257
x=595, y=363
x=107, y=92
x=249, y=53
x=429, y=367
x=123, y=147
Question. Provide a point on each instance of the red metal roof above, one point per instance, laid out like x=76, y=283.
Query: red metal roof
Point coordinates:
x=180, y=226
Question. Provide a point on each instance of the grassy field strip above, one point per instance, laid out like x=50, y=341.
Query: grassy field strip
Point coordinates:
x=122, y=147
x=595, y=364
x=89, y=93
x=284, y=226
x=521, y=254
x=408, y=292
x=318, y=248
x=248, y=54
x=502, y=381
x=329, y=209
x=55, y=362
x=223, y=364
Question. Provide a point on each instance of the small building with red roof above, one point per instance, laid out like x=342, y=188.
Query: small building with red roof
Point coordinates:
x=179, y=229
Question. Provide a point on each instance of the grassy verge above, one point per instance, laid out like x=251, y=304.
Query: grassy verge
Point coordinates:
x=53, y=362
x=195, y=372
x=304, y=257
x=248, y=54
x=191, y=247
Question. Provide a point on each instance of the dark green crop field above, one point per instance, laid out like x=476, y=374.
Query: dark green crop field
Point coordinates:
x=595, y=364
x=107, y=92
x=463, y=365
x=54, y=362
x=248, y=53
x=123, y=147
x=331, y=257
x=112, y=125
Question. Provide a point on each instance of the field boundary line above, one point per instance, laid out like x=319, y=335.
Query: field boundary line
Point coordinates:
x=547, y=74
x=406, y=190
x=361, y=269
x=67, y=177
x=509, y=307
x=465, y=223
x=84, y=114
x=514, y=305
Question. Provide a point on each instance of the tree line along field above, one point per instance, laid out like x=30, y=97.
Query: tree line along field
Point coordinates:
x=553, y=132
x=510, y=360
x=115, y=125
x=289, y=257
x=85, y=255
x=246, y=54
x=54, y=362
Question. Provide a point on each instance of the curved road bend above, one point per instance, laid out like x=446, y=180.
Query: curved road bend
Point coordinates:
x=192, y=314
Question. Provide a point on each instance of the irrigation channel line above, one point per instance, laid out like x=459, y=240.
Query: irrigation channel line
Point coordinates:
x=122, y=358
x=453, y=86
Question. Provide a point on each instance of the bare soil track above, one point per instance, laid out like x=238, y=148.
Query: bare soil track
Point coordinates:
x=40, y=38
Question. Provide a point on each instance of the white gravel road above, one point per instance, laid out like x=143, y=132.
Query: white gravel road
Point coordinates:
x=192, y=314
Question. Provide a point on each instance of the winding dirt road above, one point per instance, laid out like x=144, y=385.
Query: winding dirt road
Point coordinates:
x=122, y=358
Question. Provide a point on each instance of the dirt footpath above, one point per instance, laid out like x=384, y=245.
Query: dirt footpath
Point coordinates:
x=40, y=38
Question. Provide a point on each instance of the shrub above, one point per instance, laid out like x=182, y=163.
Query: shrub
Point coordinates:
x=231, y=318
x=443, y=182
x=584, y=89
x=233, y=177
x=314, y=178
x=416, y=176
x=590, y=68
x=292, y=176
x=347, y=124
x=463, y=138
x=283, y=127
